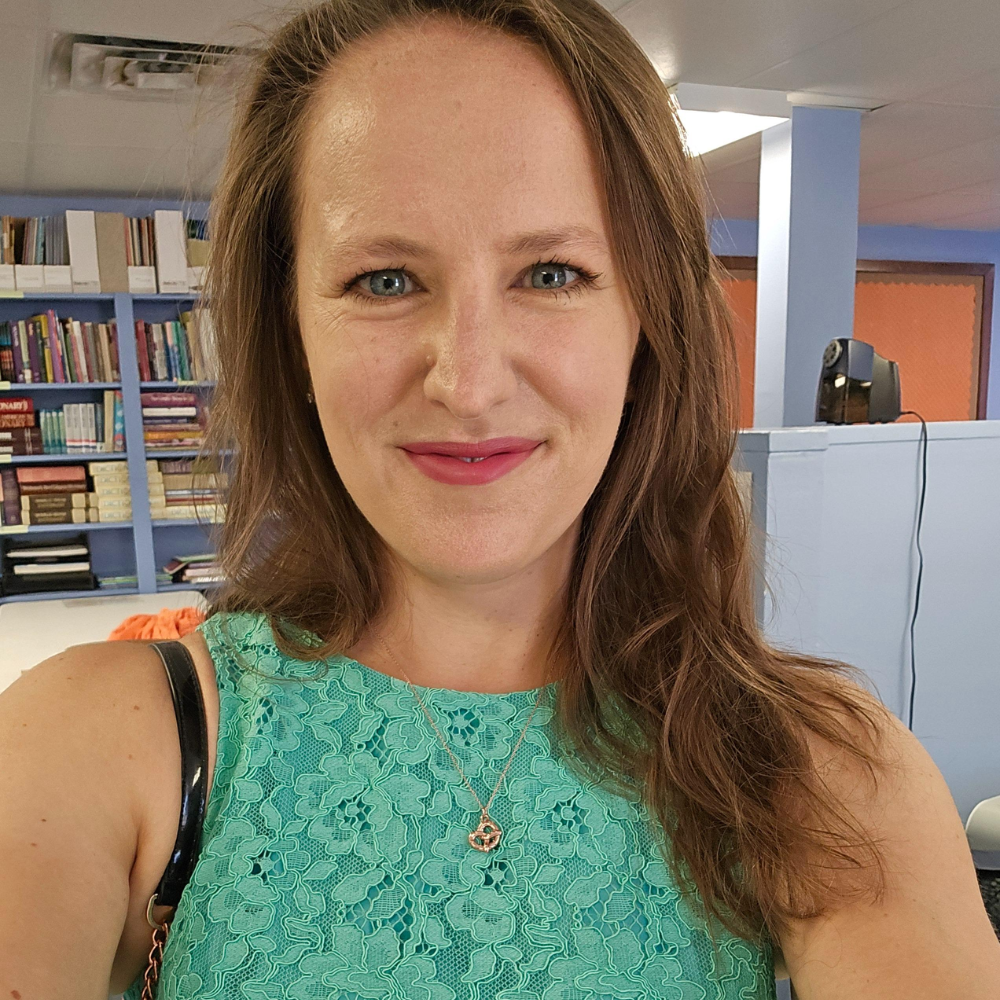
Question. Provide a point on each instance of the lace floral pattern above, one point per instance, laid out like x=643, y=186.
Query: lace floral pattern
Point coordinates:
x=335, y=863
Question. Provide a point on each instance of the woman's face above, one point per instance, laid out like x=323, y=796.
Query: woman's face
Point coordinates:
x=467, y=149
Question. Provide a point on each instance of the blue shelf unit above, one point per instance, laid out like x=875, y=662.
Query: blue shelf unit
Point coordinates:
x=141, y=546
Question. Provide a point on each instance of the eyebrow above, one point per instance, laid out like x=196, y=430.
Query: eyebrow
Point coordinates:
x=538, y=241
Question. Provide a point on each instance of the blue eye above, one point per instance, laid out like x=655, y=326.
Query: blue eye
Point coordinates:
x=392, y=281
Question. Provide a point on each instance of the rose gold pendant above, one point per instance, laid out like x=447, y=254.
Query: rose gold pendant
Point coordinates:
x=486, y=836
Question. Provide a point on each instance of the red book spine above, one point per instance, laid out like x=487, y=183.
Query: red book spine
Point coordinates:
x=116, y=368
x=11, y=497
x=8, y=420
x=52, y=474
x=141, y=351
x=58, y=369
x=16, y=404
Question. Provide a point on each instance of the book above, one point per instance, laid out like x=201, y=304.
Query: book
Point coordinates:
x=10, y=498
x=16, y=404
x=53, y=551
x=34, y=569
x=111, y=260
x=72, y=515
x=81, y=233
x=52, y=474
x=170, y=411
x=49, y=489
x=11, y=420
x=53, y=501
x=171, y=251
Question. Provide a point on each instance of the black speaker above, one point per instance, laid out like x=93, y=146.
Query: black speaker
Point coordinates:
x=856, y=385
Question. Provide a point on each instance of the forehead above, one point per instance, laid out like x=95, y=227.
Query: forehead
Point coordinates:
x=450, y=130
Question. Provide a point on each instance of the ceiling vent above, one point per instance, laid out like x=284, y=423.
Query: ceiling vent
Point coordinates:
x=146, y=68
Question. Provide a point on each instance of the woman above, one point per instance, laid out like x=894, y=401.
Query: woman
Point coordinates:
x=489, y=630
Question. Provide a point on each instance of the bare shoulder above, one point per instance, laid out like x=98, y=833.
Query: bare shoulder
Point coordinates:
x=91, y=758
x=928, y=936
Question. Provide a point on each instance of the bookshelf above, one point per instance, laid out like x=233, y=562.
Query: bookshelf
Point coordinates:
x=142, y=545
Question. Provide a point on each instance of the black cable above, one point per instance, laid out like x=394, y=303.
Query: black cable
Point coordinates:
x=920, y=565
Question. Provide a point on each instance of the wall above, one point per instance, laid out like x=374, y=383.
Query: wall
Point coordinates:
x=738, y=237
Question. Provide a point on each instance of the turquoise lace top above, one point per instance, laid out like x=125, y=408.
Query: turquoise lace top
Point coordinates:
x=335, y=862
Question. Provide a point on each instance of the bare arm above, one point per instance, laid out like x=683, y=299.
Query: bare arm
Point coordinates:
x=930, y=938
x=68, y=821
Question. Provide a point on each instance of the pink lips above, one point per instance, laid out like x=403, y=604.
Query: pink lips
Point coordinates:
x=443, y=460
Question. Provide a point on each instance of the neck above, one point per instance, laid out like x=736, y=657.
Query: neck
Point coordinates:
x=492, y=636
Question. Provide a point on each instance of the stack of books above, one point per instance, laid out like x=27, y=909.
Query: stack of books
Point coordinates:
x=198, y=570
x=186, y=489
x=45, y=348
x=73, y=429
x=18, y=433
x=173, y=420
x=112, y=495
x=37, y=566
x=47, y=494
x=85, y=251
x=177, y=351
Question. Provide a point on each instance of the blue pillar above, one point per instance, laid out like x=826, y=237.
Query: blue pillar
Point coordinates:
x=807, y=248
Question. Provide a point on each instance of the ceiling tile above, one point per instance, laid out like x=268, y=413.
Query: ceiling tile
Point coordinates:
x=972, y=201
x=178, y=20
x=981, y=90
x=123, y=170
x=76, y=118
x=989, y=219
x=905, y=132
x=721, y=42
x=973, y=163
x=17, y=81
x=895, y=55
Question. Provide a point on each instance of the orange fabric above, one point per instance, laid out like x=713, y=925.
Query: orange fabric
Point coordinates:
x=170, y=623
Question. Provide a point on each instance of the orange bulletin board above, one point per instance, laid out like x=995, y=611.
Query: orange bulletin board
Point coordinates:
x=930, y=324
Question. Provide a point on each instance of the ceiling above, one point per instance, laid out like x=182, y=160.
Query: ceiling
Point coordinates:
x=929, y=157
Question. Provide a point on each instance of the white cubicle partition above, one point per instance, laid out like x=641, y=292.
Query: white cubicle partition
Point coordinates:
x=839, y=505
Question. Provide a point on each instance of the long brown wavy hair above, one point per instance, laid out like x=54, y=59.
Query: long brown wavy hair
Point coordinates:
x=672, y=688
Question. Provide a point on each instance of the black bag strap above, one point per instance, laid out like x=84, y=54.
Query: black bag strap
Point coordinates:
x=192, y=728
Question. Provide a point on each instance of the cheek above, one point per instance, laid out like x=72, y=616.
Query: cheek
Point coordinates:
x=355, y=374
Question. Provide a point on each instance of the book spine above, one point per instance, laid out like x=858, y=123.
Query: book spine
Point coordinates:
x=54, y=339
x=142, y=351
x=78, y=355
x=19, y=404
x=87, y=331
x=43, y=332
x=104, y=344
x=116, y=373
x=33, y=352
x=11, y=492
x=15, y=343
x=119, y=422
x=161, y=399
x=8, y=420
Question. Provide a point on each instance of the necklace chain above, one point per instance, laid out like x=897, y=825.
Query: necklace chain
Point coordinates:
x=483, y=808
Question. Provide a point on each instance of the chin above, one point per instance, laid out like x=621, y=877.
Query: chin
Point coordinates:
x=472, y=557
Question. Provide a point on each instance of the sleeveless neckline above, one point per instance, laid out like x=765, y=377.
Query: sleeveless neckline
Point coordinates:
x=437, y=692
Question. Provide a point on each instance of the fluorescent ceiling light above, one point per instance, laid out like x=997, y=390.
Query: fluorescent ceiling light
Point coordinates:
x=706, y=130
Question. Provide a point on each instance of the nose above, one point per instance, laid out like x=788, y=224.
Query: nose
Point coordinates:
x=469, y=355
